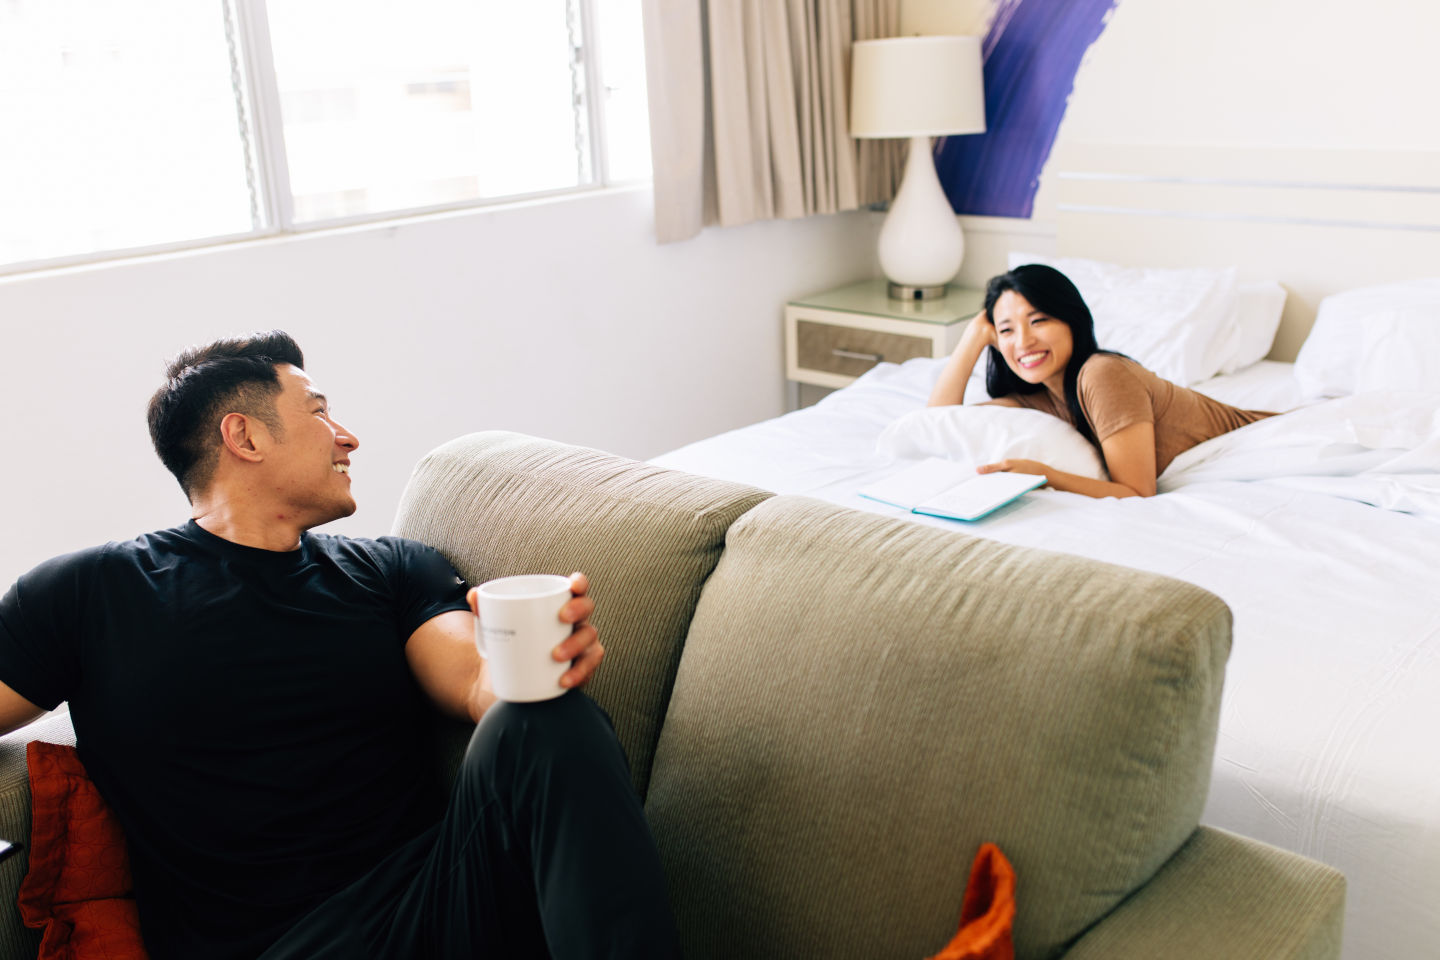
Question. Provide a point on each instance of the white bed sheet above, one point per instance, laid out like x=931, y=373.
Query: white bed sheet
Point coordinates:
x=1331, y=708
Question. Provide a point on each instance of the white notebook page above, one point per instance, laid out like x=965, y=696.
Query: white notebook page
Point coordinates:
x=978, y=495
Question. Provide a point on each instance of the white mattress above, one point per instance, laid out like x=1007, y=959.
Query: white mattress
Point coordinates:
x=1331, y=708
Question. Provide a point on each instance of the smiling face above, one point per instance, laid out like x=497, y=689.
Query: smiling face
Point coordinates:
x=308, y=463
x=1035, y=346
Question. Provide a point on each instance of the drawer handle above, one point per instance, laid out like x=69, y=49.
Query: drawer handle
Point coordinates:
x=852, y=355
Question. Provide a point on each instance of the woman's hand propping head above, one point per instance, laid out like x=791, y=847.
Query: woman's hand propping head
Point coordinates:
x=980, y=331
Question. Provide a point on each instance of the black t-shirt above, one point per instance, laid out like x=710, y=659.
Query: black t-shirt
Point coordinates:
x=249, y=715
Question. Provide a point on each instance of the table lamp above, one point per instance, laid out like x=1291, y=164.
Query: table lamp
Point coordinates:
x=918, y=87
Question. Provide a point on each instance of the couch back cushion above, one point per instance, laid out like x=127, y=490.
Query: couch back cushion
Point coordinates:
x=502, y=503
x=863, y=701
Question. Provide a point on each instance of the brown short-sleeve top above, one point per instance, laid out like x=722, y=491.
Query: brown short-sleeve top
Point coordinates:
x=1116, y=392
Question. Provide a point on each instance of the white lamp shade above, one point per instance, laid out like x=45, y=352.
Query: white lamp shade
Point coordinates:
x=916, y=87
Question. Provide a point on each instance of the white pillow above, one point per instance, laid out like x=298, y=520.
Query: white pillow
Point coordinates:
x=1253, y=323
x=1174, y=322
x=1400, y=350
x=978, y=435
x=1329, y=361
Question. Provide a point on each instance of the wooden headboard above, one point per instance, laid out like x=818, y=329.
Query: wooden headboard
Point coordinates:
x=1318, y=221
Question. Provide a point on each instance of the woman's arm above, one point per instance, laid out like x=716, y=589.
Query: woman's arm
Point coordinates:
x=1129, y=456
x=950, y=388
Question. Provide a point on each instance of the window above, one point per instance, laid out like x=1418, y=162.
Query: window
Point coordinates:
x=180, y=121
x=622, y=79
x=389, y=107
x=119, y=127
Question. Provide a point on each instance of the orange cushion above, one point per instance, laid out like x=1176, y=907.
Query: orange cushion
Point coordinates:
x=78, y=886
x=987, y=913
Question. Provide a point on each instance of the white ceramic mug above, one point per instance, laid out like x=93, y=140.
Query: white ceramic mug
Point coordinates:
x=518, y=628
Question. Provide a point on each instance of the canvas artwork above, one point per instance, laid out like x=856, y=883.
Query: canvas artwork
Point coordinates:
x=1032, y=52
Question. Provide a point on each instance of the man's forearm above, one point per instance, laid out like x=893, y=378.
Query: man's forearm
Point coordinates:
x=481, y=695
x=15, y=710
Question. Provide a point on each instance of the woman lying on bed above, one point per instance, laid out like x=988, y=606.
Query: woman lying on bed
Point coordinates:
x=1044, y=357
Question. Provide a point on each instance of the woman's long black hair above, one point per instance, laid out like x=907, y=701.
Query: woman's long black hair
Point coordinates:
x=1052, y=293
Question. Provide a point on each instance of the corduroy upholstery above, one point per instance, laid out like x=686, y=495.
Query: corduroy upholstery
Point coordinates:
x=1225, y=896
x=17, y=942
x=864, y=701
x=498, y=504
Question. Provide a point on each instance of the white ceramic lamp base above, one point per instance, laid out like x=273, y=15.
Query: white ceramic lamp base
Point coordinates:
x=921, y=245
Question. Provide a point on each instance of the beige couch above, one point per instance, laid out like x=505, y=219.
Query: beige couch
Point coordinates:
x=828, y=711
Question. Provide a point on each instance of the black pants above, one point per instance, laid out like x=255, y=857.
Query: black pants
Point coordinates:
x=544, y=852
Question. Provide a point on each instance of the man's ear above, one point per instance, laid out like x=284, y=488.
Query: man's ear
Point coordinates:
x=245, y=437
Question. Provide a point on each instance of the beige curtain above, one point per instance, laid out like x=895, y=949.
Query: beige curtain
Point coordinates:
x=749, y=111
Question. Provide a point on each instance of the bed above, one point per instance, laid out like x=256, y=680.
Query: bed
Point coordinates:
x=1320, y=529
x=1332, y=699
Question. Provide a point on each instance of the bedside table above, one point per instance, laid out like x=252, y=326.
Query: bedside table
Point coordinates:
x=833, y=337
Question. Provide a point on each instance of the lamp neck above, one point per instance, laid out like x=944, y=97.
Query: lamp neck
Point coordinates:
x=920, y=164
x=920, y=243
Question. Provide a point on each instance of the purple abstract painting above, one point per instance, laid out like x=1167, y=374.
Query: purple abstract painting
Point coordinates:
x=1032, y=52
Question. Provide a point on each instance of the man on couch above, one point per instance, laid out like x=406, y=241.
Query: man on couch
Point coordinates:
x=252, y=699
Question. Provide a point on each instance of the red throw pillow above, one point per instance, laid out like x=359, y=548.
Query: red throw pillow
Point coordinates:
x=78, y=887
x=987, y=913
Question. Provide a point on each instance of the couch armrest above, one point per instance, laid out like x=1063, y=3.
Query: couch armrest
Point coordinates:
x=15, y=941
x=1222, y=895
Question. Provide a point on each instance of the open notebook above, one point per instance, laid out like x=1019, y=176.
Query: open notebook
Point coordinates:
x=943, y=488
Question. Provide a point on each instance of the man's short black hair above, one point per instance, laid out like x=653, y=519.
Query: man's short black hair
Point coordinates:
x=202, y=385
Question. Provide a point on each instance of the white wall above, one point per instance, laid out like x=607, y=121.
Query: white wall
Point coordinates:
x=1249, y=74
x=1262, y=73
x=1257, y=75
x=560, y=318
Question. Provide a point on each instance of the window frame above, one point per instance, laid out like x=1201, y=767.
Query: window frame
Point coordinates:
x=272, y=176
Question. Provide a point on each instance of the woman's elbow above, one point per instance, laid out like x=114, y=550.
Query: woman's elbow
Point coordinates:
x=1129, y=488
